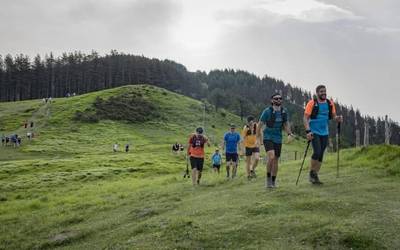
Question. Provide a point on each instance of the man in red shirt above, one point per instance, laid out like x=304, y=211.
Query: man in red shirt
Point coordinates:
x=196, y=152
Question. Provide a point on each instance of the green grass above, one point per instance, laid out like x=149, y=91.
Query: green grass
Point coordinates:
x=67, y=190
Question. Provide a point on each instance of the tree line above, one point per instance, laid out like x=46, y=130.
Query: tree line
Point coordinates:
x=241, y=92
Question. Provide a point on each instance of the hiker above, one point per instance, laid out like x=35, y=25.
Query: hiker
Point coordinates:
x=196, y=153
x=29, y=135
x=7, y=140
x=15, y=140
x=274, y=119
x=115, y=147
x=230, y=145
x=175, y=148
x=317, y=114
x=127, y=148
x=216, y=160
x=25, y=124
x=31, y=124
x=251, y=147
x=19, y=140
x=3, y=140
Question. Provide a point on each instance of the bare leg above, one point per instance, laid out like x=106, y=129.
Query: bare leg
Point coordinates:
x=256, y=157
x=194, y=176
x=248, y=165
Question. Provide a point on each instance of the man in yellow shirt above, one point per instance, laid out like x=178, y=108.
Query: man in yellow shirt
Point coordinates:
x=252, y=149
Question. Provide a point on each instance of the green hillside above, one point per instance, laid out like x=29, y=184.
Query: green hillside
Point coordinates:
x=67, y=189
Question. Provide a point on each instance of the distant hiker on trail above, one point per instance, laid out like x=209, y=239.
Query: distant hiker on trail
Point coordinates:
x=3, y=140
x=19, y=140
x=251, y=147
x=196, y=152
x=127, y=148
x=31, y=124
x=175, y=148
x=115, y=147
x=230, y=145
x=317, y=114
x=216, y=160
x=25, y=124
x=274, y=119
x=29, y=135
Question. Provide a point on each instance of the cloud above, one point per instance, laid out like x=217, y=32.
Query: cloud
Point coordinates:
x=307, y=10
x=47, y=25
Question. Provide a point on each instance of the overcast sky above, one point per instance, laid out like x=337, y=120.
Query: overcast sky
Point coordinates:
x=352, y=46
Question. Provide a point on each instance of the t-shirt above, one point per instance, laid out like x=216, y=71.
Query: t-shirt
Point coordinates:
x=273, y=134
x=249, y=136
x=216, y=159
x=198, y=150
x=231, y=142
x=320, y=125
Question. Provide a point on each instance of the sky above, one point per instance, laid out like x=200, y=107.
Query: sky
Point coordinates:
x=351, y=46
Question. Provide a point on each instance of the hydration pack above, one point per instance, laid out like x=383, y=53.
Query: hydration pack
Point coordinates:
x=270, y=123
x=198, y=141
x=315, y=110
x=251, y=131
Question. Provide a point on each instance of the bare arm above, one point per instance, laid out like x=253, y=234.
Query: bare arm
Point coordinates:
x=306, y=122
x=287, y=128
x=259, y=133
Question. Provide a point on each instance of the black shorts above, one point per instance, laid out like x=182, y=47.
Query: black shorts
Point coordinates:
x=319, y=144
x=197, y=163
x=250, y=151
x=231, y=157
x=270, y=145
x=216, y=166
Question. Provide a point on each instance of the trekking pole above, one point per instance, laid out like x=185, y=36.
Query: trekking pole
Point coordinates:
x=337, y=148
x=304, y=158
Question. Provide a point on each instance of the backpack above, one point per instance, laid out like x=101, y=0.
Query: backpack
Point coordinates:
x=198, y=141
x=251, y=131
x=270, y=123
x=315, y=110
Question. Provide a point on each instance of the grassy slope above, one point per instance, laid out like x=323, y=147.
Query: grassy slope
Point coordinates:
x=67, y=189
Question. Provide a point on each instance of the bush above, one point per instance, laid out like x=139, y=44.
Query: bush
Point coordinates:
x=131, y=106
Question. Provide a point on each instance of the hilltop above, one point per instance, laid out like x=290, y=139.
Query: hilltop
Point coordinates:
x=66, y=189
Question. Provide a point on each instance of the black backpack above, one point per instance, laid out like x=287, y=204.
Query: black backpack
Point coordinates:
x=198, y=141
x=315, y=110
x=251, y=131
x=270, y=123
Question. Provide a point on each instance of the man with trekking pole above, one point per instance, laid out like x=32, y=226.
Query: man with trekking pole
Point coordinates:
x=317, y=114
x=269, y=131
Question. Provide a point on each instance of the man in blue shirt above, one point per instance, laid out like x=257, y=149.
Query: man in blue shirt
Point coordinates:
x=317, y=114
x=273, y=119
x=230, y=145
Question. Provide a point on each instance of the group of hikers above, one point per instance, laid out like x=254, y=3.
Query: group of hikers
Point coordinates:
x=177, y=147
x=16, y=140
x=116, y=145
x=267, y=132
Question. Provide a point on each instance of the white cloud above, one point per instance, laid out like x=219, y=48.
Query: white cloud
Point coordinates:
x=307, y=10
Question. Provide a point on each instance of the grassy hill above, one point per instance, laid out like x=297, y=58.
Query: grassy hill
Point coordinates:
x=67, y=189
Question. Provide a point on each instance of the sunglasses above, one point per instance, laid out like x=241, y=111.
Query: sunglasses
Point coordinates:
x=277, y=98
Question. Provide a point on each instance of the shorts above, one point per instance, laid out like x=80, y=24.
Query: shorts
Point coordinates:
x=231, y=157
x=250, y=151
x=216, y=166
x=197, y=163
x=270, y=145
